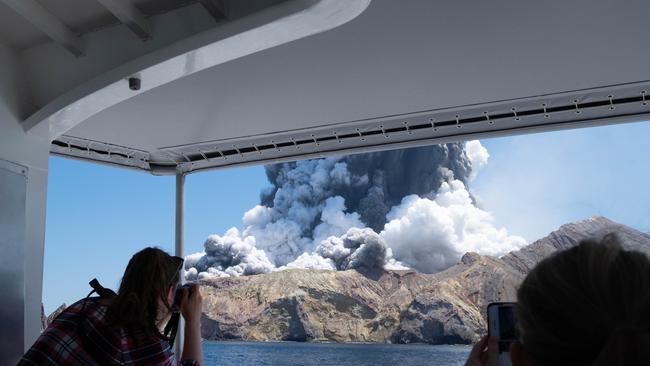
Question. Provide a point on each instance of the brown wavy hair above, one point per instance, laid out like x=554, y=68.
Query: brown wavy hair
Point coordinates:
x=588, y=305
x=146, y=281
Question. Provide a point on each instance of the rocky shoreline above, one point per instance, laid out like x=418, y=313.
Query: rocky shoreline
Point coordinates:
x=384, y=306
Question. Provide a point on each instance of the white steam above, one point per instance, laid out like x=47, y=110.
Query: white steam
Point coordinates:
x=478, y=157
x=432, y=234
x=311, y=261
x=307, y=225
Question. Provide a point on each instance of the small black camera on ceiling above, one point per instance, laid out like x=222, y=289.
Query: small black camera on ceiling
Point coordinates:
x=134, y=83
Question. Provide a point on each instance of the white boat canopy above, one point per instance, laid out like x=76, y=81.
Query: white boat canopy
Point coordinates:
x=180, y=86
x=392, y=74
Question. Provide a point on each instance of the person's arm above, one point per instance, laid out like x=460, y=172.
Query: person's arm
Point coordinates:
x=484, y=353
x=191, y=310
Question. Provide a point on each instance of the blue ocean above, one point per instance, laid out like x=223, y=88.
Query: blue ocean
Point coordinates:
x=308, y=354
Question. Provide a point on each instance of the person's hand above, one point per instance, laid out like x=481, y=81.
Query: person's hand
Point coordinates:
x=484, y=353
x=191, y=304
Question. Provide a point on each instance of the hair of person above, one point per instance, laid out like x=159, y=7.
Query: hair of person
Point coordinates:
x=588, y=305
x=145, y=284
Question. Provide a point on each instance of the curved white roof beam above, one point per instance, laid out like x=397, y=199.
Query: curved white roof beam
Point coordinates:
x=272, y=27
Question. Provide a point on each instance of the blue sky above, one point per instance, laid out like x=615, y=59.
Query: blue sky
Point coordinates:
x=535, y=183
x=98, y=216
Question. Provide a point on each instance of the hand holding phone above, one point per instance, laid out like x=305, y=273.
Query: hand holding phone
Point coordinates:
x=502, y=325
x=484, y=353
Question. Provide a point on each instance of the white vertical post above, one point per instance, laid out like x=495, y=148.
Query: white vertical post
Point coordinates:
x=180, y=251
x=23, y=196
x=180, y=206
x=13, y=199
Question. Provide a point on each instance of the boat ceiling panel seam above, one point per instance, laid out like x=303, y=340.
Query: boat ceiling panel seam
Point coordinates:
x=129, y=15
x=216, y=8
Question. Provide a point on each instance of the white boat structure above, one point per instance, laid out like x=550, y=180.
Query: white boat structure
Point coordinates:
x=176, y=87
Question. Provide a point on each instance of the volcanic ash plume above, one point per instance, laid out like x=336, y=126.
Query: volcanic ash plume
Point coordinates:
x=431, y=234
x=386, y=209
x=369, y=183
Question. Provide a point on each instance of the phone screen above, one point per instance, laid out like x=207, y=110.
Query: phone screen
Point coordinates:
x=507, y=323
x=502, y=323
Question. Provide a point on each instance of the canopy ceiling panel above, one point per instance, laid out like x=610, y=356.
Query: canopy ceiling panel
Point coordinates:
x=15, y=32
x=403, y=73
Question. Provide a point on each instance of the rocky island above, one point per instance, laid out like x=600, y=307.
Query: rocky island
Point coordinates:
x=447, y=307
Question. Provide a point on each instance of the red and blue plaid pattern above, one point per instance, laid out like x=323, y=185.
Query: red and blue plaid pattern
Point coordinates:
x=80, y=335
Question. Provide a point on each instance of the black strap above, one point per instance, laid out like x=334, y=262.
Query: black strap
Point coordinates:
x=172, y=327
x=102, y=291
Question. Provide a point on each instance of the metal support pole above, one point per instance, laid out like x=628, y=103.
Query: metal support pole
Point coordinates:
x=180, y=251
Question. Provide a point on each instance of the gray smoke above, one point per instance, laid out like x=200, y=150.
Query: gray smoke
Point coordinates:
x=388, y=209
x=358, y=248
x=361, y=249
x=228, y=255
x=375, y=182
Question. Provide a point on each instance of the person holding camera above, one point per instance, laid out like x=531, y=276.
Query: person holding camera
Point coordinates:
x=125, y=328
x=586, y=306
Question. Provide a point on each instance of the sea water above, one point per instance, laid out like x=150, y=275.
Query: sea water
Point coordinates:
x=319, y=354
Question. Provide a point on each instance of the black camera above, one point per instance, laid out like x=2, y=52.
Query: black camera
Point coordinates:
x=172, y=325
x=178, y=295
x=135, y=83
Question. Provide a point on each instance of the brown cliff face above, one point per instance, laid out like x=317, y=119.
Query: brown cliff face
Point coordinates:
x=388, y=307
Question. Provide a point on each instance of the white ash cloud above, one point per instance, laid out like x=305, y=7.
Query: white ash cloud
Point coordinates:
x=304, y=207
x=335, y=221
x=478, y=157
x=311, y=261
x=431, y=234
x=380, y=210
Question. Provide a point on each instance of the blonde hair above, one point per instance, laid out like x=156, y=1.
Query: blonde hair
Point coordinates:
x=588, y=305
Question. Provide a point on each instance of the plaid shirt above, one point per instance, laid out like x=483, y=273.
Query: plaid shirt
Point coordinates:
x=81, y=336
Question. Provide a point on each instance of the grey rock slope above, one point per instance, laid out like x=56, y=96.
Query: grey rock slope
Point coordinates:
x=388, y=307
x=570, y=235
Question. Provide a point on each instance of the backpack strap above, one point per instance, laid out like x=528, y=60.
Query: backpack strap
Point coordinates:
x=102, y=291
x=172, y=328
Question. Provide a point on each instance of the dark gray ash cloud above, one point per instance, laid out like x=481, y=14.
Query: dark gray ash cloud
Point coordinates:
x=378, y=181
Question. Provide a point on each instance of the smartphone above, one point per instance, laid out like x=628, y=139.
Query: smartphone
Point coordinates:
x=502, y=324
